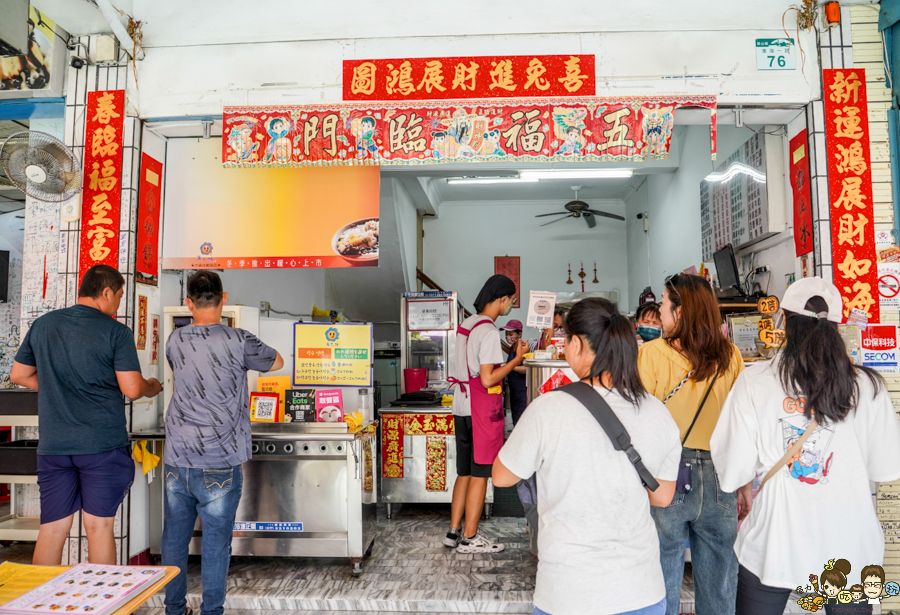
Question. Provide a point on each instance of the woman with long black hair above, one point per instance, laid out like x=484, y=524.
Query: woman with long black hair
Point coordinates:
x=691, y=370
x=599, y=552
x=815, y=429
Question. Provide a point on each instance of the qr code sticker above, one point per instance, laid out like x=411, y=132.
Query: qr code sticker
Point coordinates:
x=265, y=407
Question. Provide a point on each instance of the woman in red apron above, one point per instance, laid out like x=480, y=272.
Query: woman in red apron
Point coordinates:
x=476, y=377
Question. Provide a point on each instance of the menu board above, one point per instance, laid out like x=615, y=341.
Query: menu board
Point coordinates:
x=433, y=315
x=745, y=333
x=332, y=355
x=86, y=588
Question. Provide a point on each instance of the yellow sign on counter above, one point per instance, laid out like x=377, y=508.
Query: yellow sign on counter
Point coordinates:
x=274, y=384
x=17, y=579
x=332, y=354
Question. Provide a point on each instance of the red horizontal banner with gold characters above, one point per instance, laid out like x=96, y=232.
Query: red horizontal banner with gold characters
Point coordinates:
x=850, y=190
x=469, y=77
x=385, y=134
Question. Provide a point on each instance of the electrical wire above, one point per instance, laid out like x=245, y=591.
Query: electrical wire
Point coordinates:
x=289, y=313
x=886, y=62
x=778, y=133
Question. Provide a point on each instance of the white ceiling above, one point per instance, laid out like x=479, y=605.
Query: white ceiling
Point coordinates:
x=544, y=190
x=80, y=16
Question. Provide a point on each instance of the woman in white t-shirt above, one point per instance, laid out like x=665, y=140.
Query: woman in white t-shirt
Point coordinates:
x=599, y=550
x=817, y=508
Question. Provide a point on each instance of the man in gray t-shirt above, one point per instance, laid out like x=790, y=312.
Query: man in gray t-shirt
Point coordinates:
x=207, y=438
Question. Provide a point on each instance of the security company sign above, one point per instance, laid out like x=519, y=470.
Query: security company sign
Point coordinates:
x=879, y=343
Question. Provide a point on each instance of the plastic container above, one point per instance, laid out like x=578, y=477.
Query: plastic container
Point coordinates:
x=415, y=379
x=18, y=457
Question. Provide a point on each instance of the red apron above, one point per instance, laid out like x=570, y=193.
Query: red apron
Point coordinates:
x=488, y=418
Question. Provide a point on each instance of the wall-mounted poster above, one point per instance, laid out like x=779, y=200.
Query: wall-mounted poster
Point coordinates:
x=338, y=355
x=218, y=218
x=37, y=70
x=429, y=315
x=510, y=266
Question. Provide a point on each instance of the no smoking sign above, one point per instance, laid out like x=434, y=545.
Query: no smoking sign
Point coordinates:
x=889, y=285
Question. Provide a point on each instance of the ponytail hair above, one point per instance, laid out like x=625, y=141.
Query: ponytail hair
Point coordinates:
x=814, y=363
x=610, y=336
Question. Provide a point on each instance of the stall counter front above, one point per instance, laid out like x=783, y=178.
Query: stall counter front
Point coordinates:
x=307, y=493
x=418, y=456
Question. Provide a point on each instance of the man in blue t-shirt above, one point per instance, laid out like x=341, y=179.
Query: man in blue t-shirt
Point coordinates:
x=207, y=438
x=85, y=361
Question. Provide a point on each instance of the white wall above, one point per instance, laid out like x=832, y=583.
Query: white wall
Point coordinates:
x=201, y=55
x=405, y=210
x=460, y=247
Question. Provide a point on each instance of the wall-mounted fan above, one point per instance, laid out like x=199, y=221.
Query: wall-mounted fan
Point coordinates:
x=40, y=166
x=580, y=209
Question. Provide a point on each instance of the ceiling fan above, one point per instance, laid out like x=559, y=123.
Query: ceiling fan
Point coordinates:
x=580, y=209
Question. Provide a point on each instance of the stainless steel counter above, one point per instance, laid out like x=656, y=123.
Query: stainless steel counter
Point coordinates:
x=411, y=487
x=307, y=493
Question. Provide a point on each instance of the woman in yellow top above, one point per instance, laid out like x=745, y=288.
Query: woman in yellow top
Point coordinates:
x=693, y=368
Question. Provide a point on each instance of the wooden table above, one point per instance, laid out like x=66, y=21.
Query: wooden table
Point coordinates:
x=139, y=600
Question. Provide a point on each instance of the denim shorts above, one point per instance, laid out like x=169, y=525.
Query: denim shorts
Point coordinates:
x=96, y=483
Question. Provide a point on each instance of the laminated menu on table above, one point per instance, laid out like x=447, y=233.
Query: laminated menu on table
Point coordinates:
x=86, y=588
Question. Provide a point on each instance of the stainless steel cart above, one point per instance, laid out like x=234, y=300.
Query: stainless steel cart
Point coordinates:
x=306, y=494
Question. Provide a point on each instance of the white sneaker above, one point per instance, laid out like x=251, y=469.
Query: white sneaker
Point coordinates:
x=479, y=544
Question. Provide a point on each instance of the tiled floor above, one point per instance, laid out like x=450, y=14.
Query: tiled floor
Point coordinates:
x=409, y=571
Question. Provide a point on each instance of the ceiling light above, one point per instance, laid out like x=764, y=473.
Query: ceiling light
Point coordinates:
x=736, y=168
x=489, y=180
x=579, y=174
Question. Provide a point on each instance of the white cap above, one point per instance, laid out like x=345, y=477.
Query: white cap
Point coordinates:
x=801, y=291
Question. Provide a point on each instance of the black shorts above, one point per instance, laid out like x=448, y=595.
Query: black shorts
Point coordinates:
x=465, y=450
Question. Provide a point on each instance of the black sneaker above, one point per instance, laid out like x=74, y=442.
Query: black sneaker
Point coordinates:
x=453, y=537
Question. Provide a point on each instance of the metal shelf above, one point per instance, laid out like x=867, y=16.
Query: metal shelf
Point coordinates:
x=18, y=479
x=20, y=528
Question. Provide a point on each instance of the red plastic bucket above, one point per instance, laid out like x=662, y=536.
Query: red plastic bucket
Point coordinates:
x=415, y=379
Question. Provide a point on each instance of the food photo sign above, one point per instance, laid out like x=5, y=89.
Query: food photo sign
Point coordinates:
x=267, y=218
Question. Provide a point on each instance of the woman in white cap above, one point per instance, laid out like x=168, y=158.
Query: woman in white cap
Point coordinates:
x=815, y=429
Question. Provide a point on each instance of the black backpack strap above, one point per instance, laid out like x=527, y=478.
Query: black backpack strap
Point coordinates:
x=618, y=435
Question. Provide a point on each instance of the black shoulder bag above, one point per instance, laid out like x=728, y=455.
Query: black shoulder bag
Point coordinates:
x=683, y=482
x=618, y=435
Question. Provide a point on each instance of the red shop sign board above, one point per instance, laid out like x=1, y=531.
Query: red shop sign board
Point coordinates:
x=102, y=194
x=467, y=77
x=411, y=133
x=510, y=267
x=147, y=263
x=850, y=190
x=799, y=170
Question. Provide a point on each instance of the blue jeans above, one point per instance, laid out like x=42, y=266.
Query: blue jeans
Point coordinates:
x=708, y=516
x=214, y=495
x=655, y=609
